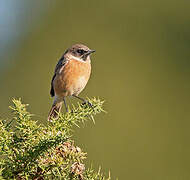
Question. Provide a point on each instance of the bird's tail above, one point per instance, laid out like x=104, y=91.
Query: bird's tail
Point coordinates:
x=55, y=109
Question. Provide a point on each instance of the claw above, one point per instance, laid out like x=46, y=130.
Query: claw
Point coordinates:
x=84, y=101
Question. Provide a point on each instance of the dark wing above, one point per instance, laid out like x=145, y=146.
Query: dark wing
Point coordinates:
x=59, y=65
x=52, y=93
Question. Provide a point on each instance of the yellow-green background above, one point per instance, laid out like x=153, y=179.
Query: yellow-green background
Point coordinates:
x=141, y=68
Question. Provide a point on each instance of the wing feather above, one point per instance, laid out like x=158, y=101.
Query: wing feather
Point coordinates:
x=59, y=65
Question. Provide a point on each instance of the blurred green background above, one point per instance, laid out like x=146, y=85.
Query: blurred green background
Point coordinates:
x=141, y=68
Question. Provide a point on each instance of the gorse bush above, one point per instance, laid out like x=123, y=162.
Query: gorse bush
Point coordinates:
x=29, y=150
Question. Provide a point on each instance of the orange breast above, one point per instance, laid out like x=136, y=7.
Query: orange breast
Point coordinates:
x=72, y=78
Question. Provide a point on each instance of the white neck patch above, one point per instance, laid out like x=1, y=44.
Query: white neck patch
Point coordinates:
x=75, y=58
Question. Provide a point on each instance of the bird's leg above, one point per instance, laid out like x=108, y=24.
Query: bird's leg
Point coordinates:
x=65, y=104
x=84, y=100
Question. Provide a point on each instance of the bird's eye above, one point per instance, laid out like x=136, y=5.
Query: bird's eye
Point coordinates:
x=80, y=51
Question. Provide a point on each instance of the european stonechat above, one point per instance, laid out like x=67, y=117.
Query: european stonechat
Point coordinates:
x=71, y=75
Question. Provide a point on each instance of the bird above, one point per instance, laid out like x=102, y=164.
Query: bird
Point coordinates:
x=71, y=75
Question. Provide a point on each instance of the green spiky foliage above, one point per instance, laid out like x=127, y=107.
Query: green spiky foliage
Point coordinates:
x=29, y=150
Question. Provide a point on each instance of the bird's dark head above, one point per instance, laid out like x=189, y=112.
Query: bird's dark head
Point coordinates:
x=80, y=51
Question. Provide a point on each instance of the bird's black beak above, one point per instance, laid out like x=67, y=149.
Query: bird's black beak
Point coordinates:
x=90, y=52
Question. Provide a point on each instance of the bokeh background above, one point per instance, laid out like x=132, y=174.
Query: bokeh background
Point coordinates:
x=141, y=68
